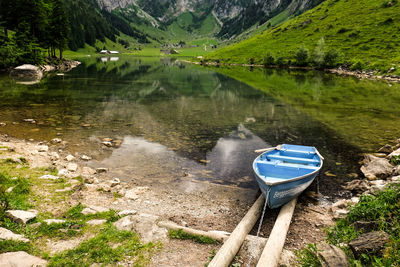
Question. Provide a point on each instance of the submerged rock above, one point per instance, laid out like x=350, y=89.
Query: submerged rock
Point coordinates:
x=27, y=72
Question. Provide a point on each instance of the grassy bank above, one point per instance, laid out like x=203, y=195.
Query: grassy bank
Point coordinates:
x=364, y=34
x=384, y=211
x=98, y=244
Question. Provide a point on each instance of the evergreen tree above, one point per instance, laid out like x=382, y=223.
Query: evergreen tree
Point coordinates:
x=59, y=26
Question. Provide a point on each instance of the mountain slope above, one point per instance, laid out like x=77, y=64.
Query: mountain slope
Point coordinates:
x=362, y=30
x=222, y=18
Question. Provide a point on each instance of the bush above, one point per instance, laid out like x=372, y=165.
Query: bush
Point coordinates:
x=331, y=58
x=357, y=66
x=281, y=61
x=269, y=59
x=301, y=56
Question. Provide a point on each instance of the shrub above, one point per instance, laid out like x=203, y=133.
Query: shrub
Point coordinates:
x=281, y=62
x=331, y=58
x=301, y=56
x=357, y=66
x=269, y=59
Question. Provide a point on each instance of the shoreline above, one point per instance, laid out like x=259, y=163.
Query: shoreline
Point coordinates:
x=371, y=75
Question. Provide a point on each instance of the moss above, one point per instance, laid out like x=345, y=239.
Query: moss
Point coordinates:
x=180, y=234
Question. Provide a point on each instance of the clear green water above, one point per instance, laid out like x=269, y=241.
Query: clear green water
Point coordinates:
x=175, y=118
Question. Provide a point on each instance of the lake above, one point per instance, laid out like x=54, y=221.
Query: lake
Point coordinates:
x=174, y=119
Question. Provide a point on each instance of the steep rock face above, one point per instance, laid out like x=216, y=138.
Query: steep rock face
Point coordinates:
x=235, y=15
x=113, y=4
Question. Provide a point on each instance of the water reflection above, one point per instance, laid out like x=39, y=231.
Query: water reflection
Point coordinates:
x=184, y=116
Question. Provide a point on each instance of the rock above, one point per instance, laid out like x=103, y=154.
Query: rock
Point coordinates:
x=56, y=140
x=394, y=153
x=143, y=224
x=375, y=168
x=91, y=180
x=70, y=157
x=340, y=213
x=63, y=172
x=127, y=212
x=352, y=175
x=331, y=256
x=288, y=258
x=87, y=171
x=366, y=226
x=49, y=176
x=131, y=194
x=101, y=170
x=371, y=243
x=117, y=143
x=115, y=181
x=54, y=156
x=377, y=185
x=42, y=148
x=2, y=124
x=20, y=259
x=387, y=149
x=96, y=222
x=94, y=210
x=86, y=158
x=6, y=234
x=72, y=167
x=21, y=216
x=135, y=192
x=105, y=187
x=10, y=189
x=51, y=221
x=356, y=186
x=395, y=179
x=107, y=139
x=396, y=171
x=107, y=144
x=27, y=71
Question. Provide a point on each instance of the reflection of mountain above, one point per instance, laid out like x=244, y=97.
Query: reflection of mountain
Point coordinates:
x=190, y=110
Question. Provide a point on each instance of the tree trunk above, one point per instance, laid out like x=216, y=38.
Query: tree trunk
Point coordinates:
x=61, y=53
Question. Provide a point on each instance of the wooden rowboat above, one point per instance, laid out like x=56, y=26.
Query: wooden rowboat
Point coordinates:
x=285, y=171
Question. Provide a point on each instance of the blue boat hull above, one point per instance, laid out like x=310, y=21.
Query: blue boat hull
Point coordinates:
x=285, y=172
x=280, y=194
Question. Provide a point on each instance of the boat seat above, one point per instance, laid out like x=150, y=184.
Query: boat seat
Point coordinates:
x=287, y=164
x=293, y=159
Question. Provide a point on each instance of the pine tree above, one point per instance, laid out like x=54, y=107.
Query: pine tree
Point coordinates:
x=59, y=26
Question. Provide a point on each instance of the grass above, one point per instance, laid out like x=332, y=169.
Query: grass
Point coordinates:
x=107, y=248
x=180, y=234
x=364, y=31
x=384, y=208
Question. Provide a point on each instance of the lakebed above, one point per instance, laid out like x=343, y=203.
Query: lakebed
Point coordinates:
x=185, y=136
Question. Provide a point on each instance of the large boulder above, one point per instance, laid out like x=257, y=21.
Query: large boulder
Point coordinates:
x=376, y=168
x=331, y=256
x=143, y=224
x=27, y=72
x=371, y=243
x=20, y=259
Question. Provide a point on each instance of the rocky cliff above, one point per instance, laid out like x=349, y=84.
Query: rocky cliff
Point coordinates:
x=235, y=15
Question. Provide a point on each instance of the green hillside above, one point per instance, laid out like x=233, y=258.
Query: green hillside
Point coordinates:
x=363, y=31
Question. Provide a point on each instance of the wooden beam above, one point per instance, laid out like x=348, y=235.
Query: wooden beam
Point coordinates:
x=229, y=249
x=273, y=249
